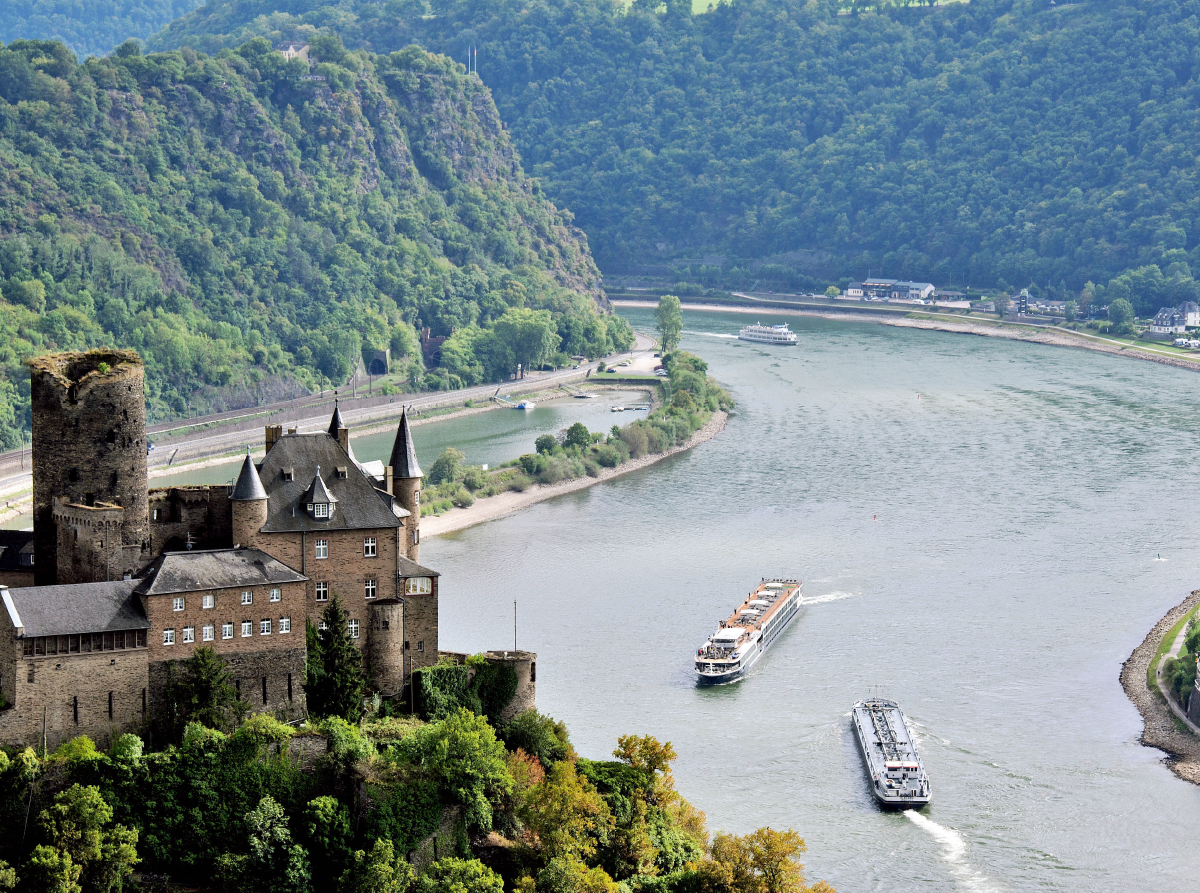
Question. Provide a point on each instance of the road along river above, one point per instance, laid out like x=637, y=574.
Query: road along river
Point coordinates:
x=986, y=529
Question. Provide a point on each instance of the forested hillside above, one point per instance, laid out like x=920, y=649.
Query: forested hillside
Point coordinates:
x=250, y=224
x=995, y=142
x=89, y=27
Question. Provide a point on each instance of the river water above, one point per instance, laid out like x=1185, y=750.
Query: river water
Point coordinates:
x=985, y=529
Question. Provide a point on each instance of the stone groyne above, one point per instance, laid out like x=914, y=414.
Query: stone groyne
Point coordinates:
x=1161, y=728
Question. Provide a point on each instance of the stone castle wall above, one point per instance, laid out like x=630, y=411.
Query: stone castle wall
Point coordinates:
x=201, y=513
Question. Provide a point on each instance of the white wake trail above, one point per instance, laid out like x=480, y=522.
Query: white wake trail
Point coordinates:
x=954, y=852
x=827, y=597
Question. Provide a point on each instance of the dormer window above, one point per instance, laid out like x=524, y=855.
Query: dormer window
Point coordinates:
x=318, y=499
x=320, y=510
x=289, y=474
x=343, y=472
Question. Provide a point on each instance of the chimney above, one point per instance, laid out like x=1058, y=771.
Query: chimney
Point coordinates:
x=274, y=432
x=343, y=437
x=387, y=479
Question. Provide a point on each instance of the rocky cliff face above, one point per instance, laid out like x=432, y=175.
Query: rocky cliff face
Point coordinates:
x=247, y=221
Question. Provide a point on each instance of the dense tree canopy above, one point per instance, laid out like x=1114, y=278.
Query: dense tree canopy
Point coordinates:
x=997, y=142
x=251, y=224
x=89, y=27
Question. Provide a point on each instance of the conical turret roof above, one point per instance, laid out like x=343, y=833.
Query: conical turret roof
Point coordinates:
x=317, y=491
x=337, y=423
x=249, y=485
x=404, y=453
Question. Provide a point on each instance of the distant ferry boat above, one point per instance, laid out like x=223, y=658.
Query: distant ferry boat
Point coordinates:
x=898, y=778
x=761, y=334
x=739, y=641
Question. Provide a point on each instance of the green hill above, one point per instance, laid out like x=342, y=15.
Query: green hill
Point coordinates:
x=89, y=27
x=996, y=142
x=251, y=224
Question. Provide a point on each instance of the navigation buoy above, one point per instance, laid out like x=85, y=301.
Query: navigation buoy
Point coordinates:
x=874, y=517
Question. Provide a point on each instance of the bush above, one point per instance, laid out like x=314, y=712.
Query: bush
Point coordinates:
x=538, y=735
x=474, y=478
x=635, y=438
x=546, y=443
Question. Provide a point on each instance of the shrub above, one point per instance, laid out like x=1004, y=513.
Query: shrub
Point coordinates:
x=474, y=478
x=635, y=438
x=463, y=499
x=538, y=735
x=546, y=443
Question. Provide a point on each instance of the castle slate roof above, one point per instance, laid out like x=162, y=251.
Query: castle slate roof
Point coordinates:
x=317, y=491
x=406, y=567
x=359, y=505
x=174, y=572
x=404, y=454
x=337, y=423
x=249, y=486
x=74, y=608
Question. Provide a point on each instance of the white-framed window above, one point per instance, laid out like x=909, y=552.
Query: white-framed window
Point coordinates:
x=207, y=633
x=418, y=586
x=227, y=630
x=322, y=547
x=276, y=595
x=189, y=634
x=320, y=509
x=370, y=587
x=416, y=535
x=168, y=637
x=247, y=629
x=353, y=626
x=420, y=646
x=247, y=598
x=177, y=603
x=285, y=625
x=369, y=547
x=322, y=592
x=322, y=626
x=208, y=601
x=264, y=627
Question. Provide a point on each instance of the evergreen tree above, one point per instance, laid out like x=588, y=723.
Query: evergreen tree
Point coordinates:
x=203, y=692
x=334, y=681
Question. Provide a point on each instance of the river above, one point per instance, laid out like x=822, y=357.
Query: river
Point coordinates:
x=985, y=529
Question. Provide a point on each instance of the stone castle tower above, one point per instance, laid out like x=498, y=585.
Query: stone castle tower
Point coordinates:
x=405, y=482
x=89, y=466
x=248, y=504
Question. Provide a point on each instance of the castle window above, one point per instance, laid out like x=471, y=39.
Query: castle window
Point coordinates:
x=322, y=547
x=289, y=474
x=322, y=626
x=247, y=629
x=226, y=630
x=140, y=639
x=189, y=634
x=247, y=598
x=369, y=547
x=264, y=683
x=370, y=587
x=322, y=592
x=168, y=637
x=420, y=646
x=207, y=632
x=276, y=595
x=320, y=510
x=417, y=533
x=154, y=515
x=177, y=604
x=418, y=586
x=343, y=472
x=264, y=627
x=353, y=626
x=285, y=624
x=27, y=648
x=208, y=601
x=39, y=646
x=74, y=644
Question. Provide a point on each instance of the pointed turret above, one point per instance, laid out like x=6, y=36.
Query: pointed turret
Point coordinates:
x=404, y=453
x=250, y=505
x=404, y=482
x=337, y=426
x=249, y=485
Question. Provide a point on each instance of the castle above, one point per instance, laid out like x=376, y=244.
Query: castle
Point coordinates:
x=128, y=580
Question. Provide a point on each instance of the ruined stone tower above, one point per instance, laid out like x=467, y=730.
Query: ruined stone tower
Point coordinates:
x=89, y=457
x=406, y=475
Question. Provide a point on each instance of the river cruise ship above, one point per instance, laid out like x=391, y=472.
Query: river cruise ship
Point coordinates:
x=898, y=778
x=741, y=639
x=761, y=334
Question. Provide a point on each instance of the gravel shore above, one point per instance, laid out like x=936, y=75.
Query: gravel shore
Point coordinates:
x=505, y=503
x=1160, y=728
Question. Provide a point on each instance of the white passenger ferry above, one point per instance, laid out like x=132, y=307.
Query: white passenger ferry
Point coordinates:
x=898, y=778
x=740, y=641
x=761, y=334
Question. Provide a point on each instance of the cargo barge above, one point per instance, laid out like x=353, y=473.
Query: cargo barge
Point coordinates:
x=898, y=778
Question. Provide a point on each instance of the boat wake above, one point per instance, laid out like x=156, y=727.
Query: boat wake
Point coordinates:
x=827, y=597
x=711, y=335
x=954, y=852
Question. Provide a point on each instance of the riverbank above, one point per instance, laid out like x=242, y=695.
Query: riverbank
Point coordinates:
x=506, y=503
x=1162, y=729
x=1050, y=335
